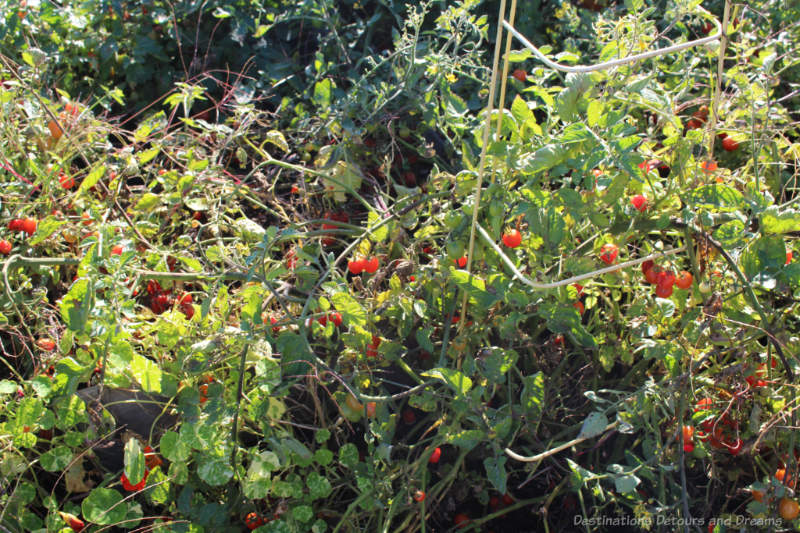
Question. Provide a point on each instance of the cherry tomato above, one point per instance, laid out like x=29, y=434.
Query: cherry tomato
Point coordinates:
x=609, y=253
x=512, y=239
x=116, y=250
x=253, y=520
x=684, y=280
x=5, y=247
x=647, y=265
x=356, y=267
x=419, y=496
x=729, y=144
x=461, y=520
x=371, y=265
x=29, y=226
x=461, y=261
x=663, y=290
x=788, y=509
x=435, y=456
x=520, y=74
x=639, y=202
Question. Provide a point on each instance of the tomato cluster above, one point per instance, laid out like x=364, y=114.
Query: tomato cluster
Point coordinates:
x=161, y=299
x=699, y=118
x=720, y=432
x=204, y=389
x=372, y=349
x=362, y=264
x=254, y=520
x=664, y=280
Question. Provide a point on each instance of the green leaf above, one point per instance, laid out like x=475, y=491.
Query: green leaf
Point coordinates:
x=475, y=288
x=593, y=425
x=567, y=100
x=76, y=305
x=148, y=155
x=775, y=222
x=134, y=461
x=498, y=362
x=92, y=178
x=215, y=471
x=275, y=137
x=715, y=196
x=624, y=482
x=460, y=383
x=730, y=234
x=56, y=459
x=257, y=483
x=496, y=472
x=352, y=312
x=146, y=372
x=563, y=318
x=348, y=455
x=249, y=230
x=532, y=399
x=594, y=112
x=148, y=202
x=548, y=224
x=303, y=513
x=45, y=228
x=466, y=439
x=293, y=347
x=174, y=448
x=104, y=507
x=579, y=474
x=322, y=93
x=380, y=234
x=764, y=258
x=318, y=486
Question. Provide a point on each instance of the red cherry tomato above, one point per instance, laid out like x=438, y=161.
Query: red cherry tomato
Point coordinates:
x=5, y=247
x=609, y=253
x=371, y=265
x=663, y=290
x=520, y=74
x=356, y=267
x=512, y=239
x=29, y=226
x=461, y=261
x=684, y=280
x=639, y=202
x=461, y=520
x=729, y=144
x=419, y=496
x=435, y=456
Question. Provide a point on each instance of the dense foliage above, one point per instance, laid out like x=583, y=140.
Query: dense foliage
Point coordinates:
x=238, y=293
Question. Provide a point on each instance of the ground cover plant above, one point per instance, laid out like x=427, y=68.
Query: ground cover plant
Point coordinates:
x=249, y=282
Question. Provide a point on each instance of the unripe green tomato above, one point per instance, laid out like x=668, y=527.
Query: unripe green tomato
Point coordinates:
x=704, y=287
